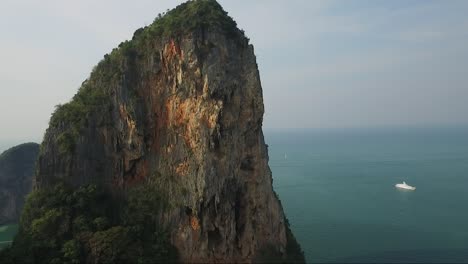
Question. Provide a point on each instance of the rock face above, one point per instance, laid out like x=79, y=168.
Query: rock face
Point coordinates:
x=181, y=106
x=16, y=173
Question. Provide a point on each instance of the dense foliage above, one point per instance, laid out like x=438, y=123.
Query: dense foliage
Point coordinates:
x=71, y=117
x=193, y=16
x=88, y=225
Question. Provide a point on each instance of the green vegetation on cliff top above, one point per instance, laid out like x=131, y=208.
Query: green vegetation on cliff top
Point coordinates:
x=192, y=16
x=61, y=225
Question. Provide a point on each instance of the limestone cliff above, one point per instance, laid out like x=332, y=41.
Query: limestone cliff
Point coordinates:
x=180, y=105
x=16, y=173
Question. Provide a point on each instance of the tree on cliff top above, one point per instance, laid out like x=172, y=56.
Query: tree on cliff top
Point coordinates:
x=60, y=224
x=191, y=16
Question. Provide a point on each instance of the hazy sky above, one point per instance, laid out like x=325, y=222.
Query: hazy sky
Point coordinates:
x=323, y=64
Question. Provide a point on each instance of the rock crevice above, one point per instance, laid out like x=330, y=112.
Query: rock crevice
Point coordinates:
x=185, y=111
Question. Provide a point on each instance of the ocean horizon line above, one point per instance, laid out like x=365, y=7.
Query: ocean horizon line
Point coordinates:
x=369, y=128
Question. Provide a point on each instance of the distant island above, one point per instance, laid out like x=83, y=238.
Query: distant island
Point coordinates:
x=17, y=166
x=160, y=156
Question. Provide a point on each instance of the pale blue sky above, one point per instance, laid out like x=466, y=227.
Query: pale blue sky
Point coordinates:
x=323, y=64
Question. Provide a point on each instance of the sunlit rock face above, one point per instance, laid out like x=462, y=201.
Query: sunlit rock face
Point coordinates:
x=184, y=111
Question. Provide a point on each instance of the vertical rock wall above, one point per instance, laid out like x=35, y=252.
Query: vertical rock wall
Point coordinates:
x=186, y=113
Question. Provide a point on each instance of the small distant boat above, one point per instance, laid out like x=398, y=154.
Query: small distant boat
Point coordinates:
x=405, y=186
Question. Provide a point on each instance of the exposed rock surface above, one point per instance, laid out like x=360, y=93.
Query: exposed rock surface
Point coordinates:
x=183, y=109
x=16, y=173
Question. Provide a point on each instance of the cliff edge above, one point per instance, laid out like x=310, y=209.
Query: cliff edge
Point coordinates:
x=180, y=108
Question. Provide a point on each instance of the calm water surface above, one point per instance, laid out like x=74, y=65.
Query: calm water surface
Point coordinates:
x=7, y=232
x=337, y=189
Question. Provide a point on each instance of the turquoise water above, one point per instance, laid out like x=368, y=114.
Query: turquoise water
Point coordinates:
x=337, y=188
x=7, y=232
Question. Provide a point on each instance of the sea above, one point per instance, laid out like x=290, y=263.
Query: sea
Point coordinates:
x=7, y=232
x=337, y=188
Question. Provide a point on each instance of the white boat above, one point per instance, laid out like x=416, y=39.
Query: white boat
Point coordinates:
x=405, y=186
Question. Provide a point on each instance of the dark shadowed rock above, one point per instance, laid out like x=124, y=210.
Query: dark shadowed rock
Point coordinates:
x=16, y=173
x=180, y=105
